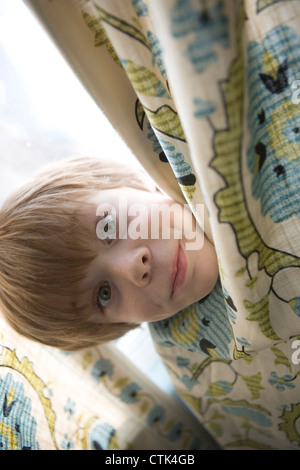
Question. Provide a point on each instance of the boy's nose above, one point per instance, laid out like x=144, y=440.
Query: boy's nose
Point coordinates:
x=136, y=266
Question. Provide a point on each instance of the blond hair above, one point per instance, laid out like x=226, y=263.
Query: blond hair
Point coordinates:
x=44, y=257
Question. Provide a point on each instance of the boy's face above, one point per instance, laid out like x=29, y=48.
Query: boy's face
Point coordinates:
x=144, y=270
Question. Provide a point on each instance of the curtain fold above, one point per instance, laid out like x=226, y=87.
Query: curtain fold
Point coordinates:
x=91, y=400
x=95, y=399
x=205, y=95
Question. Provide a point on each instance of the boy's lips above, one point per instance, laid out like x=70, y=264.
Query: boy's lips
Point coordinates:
x=179, y=270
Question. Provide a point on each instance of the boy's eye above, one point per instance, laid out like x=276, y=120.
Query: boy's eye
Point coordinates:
x=106, y=228
x=104, y=295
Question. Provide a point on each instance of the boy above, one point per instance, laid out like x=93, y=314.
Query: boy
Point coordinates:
x=76, y=269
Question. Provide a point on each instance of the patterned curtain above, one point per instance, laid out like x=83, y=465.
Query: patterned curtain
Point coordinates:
x=92, y=400
x=95, y=399
x=206, y=96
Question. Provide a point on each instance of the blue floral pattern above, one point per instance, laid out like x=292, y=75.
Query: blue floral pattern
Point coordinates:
x=273, y=118
x=208, y=105
x=85, y=422
x=207, y=27
x=17, y=425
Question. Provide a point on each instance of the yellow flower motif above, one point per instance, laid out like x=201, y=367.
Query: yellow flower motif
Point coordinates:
x=284, y=131
x=187, y=322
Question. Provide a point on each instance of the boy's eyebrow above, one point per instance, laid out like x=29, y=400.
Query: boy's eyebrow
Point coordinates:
x=100, y=217
x=97, y=220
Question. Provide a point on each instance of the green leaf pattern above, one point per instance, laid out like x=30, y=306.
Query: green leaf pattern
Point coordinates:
x=245, y=394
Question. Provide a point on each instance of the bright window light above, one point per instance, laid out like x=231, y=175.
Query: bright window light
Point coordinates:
x=45, y=112
x=45, y=115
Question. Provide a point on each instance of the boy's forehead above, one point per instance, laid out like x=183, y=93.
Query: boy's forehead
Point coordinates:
x=120, y=200
x=98, y=202
x=129, y=194
x=113, y=196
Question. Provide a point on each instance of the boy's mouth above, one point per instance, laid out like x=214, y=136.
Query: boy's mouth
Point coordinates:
x=179, y=270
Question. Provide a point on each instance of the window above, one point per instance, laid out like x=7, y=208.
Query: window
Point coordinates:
x=47, y=115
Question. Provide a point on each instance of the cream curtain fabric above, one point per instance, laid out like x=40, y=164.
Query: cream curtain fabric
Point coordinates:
x=205, y=95
x=92, y=400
